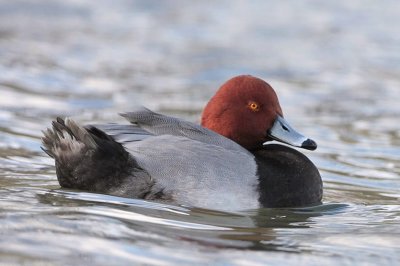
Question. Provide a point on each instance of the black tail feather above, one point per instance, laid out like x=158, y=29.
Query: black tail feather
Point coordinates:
x=89, y=159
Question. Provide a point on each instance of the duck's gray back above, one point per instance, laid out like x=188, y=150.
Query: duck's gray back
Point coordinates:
x=188, y=163
x=158, y=124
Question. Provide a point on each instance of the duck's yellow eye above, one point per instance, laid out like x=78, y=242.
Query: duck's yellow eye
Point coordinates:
x=253, y=106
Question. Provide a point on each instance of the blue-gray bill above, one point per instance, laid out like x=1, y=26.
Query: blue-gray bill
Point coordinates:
x=283, y=132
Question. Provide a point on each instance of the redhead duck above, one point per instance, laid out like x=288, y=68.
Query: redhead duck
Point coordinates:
x=224, y=163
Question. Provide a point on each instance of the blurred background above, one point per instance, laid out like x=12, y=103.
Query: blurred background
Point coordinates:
x=334, y=65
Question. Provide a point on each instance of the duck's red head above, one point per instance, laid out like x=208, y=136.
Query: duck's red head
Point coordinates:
x=246, y=109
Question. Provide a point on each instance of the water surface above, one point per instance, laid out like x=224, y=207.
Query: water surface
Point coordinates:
x=335, y=67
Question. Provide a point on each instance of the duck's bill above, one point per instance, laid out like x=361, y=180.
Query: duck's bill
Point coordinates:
x=283, y=132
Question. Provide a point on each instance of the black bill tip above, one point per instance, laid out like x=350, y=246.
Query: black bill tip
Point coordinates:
x=309, y=144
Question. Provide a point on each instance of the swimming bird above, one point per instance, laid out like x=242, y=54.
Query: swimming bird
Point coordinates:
x=226, y=163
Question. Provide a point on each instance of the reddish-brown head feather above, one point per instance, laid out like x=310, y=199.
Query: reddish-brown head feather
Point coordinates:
x=243, y=109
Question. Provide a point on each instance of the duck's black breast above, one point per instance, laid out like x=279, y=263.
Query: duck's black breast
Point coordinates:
x=287, y=178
